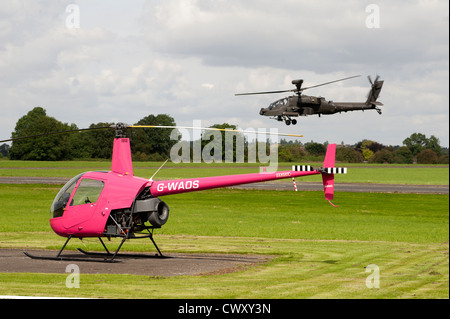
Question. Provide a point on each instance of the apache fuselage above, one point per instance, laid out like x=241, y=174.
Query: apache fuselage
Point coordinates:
x=303, y=105
x=309, y=105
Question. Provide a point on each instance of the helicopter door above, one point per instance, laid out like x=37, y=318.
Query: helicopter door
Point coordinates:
x=84, y=202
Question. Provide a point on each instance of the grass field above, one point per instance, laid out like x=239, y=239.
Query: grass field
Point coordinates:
x=319, y=251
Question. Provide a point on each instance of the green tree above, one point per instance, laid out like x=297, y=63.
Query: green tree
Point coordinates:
x=382, y=156
x=95, y=143
x=233, y=144
x=443, y=159
x=348, y=155
x=416, y=143
x=367, y=154
x=427, y=156
x=371, y=145
x=432, y=143
x=153, y=143
x=402, y=155
x=4, y=149
x=284, y=153
x=43, y=148
x=316, y=148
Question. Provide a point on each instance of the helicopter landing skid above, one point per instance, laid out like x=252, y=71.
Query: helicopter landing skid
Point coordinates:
x=64, y=258
x=111, y=256
x=116, y=254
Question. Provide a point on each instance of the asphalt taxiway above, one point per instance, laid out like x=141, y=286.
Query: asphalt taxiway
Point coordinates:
x=280, y=185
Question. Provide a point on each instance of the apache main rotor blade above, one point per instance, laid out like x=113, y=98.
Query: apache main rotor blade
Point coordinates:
x=309, y=87
x=268, y=92
x=297, y=90
x=214, y=129
x=53, y=133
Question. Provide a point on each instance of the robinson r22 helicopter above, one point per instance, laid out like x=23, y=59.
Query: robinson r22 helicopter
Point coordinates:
x=302, y=105
x=106, y=204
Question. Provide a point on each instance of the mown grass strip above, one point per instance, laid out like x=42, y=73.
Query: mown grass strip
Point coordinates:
x=320, y=251
x=303, y=269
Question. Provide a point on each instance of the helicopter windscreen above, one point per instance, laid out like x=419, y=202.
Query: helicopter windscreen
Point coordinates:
x=277, y=103
x=62, y=198
x=88, y=192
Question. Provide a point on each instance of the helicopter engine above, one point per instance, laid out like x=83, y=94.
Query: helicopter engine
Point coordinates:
x=152, y=210
x=155, y=210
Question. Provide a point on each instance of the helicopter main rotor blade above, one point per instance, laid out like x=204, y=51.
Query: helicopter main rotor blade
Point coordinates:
x=125, y=126
x=309, y=87
x=53, y=133
x=214, y=129
x=268, y=92
x=297, y=90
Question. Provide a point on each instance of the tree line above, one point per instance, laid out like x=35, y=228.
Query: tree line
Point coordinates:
x=416, y=148
x=147, y=144
x=155, y=145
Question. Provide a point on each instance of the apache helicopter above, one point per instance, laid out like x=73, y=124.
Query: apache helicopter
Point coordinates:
x=302, y=105
x=117, y=204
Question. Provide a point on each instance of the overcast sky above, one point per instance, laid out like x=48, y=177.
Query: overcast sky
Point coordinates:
x=123, y=60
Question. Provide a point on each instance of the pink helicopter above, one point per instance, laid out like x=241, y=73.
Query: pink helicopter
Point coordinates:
x=106, y=204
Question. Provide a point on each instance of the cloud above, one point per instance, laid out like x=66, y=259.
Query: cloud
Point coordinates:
x=189, y=58
x=321, y=36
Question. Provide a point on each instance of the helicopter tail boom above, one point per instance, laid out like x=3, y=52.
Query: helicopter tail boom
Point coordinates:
x=170, y=187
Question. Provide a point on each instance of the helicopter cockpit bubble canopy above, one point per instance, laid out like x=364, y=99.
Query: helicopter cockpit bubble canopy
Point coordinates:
x=62, y=198
x=279, y=102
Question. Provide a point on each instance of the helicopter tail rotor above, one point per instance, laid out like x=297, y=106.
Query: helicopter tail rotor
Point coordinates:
x=370, y=79
x=328, y=171
x=374, y=91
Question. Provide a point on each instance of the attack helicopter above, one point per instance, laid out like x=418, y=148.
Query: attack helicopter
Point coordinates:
x=118, y=204
x=302, y=105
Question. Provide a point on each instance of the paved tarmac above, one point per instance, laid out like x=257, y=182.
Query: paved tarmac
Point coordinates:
x=352, y=187
x=173, y=264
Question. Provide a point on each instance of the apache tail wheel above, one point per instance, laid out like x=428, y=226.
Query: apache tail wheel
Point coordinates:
x=160, y=216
